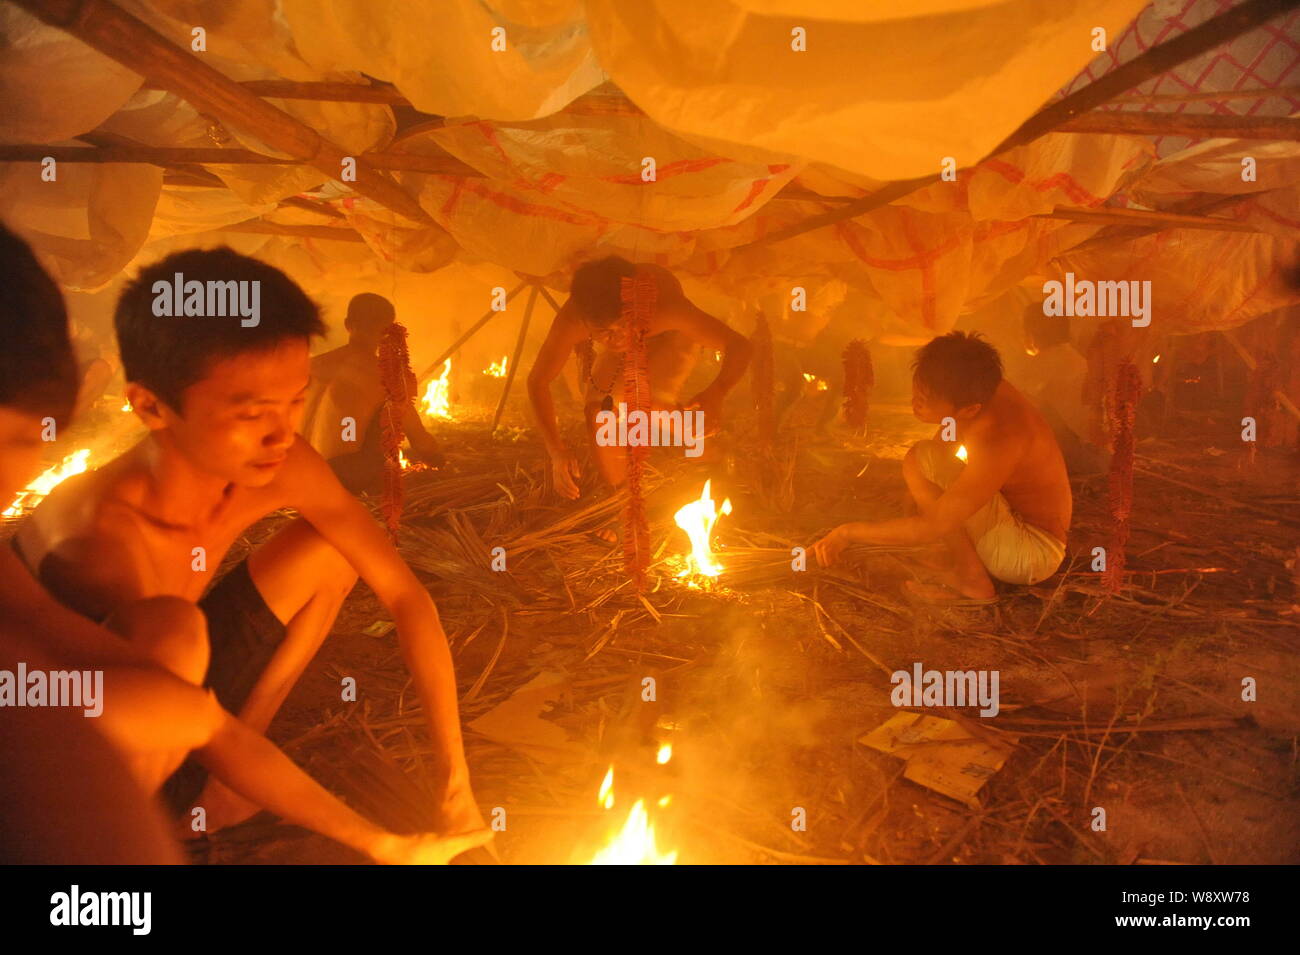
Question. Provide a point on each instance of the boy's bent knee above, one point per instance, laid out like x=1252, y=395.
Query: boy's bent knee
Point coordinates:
x=171, y=631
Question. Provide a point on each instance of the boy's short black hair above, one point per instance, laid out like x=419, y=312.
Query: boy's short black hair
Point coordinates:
x=38, y=371
x=369, y=313
x=959, y=367
x=597, y=289
x=168, y=353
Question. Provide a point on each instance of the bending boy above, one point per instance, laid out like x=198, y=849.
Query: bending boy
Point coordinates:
x=1004, y=512
x=150, y=713
x=137, y=542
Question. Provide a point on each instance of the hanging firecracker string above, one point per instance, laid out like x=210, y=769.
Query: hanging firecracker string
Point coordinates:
x=1125, y=395
x=638, y=295
x=859, y=379
x=1103, y=361
x=398, y=382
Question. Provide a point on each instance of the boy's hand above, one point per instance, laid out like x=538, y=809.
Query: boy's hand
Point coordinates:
x=711, y=404
x=428, y=452
x=828, y=549
x=565, y=473
x=426, y=848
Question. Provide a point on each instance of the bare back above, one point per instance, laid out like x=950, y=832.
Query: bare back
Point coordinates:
x=1038, y=486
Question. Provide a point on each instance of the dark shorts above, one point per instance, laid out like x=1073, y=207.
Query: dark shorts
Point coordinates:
x=243, y=635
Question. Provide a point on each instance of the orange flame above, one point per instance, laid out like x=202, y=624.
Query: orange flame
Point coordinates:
x=436, y=402
x=498, y=368
x=819, y=383
x=961, y=452
x=34, y=493
x=697, y=519
x=634, y=843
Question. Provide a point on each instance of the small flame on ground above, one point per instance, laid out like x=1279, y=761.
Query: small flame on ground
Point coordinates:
x=961, y=452
x=665, y=753
x=606, y=797
x=498, y=368
x=436, y=402
x=34, y=493
x=634, y=844
x=820, y=383
x=697, y=519
x=1156, y=360
x=126, y=406
x=1031, y=351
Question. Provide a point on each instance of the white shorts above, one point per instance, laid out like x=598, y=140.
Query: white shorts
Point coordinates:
x=1011, y=550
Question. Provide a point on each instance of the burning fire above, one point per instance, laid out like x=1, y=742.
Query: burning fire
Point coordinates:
x=436, y=402
x=498, y=368
x=126, y=406
x=961, y=452
x=697, y=519
x=819, y=383
x=1156, y=360
x=635, y=843
x=34, y=493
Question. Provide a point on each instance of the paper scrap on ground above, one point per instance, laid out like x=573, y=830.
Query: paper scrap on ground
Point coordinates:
x=940, y=754
x=517, y=722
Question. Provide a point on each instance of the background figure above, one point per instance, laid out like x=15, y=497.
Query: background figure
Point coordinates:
x=346, y=384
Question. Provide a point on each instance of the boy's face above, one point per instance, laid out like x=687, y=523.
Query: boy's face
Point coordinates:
x=929, y=407
x=20, y=451
x=932, y=409
x=240, y=420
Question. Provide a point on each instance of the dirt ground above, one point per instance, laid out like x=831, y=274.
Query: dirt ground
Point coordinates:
x=1131, y=704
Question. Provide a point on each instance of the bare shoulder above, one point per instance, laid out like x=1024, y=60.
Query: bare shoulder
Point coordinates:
x=669, y=286
x=304, y=477
x=328, y=359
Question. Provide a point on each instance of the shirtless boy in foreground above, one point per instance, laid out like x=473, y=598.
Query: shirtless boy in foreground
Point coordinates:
x=150, y=712
x=1005, y=512
x=594, y=311
x=140, y=539
x=345, y=383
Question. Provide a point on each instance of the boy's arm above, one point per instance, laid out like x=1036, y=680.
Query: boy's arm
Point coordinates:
x=311, y=487
x=682, y=315
x=148, y=708
x=989, y=466
x=566, y=331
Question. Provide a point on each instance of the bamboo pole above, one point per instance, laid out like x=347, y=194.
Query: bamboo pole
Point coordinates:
x=1212, y=97
x=1144, y=217
x=487, y=317
x=1125, y=233
x=170, y=156
x=1213, y=32
x=514, y=361
x=1195, y=125
x=128, y=40
x=259, y=227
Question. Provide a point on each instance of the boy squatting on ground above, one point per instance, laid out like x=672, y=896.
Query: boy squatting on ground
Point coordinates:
x=345, y=383
x=676, y=329
x=152, y=711
x=1003, y=514
x=222, y=403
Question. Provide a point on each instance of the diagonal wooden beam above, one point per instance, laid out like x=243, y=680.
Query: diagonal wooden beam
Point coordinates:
x=137, y=46
x=514, y=362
